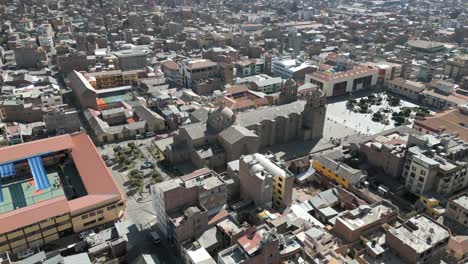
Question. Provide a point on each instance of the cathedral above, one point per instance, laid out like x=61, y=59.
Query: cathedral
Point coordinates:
x=225, y=135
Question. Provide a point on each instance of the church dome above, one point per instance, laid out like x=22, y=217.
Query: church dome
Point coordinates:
x=227, y=113
x=220, y=119
x=290, y=82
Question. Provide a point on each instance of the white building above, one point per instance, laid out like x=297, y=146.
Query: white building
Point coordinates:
x=194, y=253
x=431, y=165
x=286, y=68
x=386, y=70
x=340, y=83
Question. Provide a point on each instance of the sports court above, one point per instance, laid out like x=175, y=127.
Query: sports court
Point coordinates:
x=21, y=193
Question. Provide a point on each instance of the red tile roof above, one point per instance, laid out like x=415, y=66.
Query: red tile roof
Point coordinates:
x=96, y=177
x=446, y=122
x=195, y=174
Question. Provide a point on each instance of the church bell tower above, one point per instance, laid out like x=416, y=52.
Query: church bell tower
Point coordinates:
x=313, y=116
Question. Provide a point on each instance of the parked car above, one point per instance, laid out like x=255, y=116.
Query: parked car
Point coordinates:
x=109, y=162
x=147, y=165
x=25, y=253
x=86, y=234
x=155, y=237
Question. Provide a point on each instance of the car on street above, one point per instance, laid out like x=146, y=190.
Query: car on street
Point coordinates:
x=155, y=237
x=25, y=253
x=86, y=234
x=147, y=165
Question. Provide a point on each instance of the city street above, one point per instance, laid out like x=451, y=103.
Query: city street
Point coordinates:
x=139, y=213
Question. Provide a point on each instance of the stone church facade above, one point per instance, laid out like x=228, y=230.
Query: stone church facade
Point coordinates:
x=225, y=136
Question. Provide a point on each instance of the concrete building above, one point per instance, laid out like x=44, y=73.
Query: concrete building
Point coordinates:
x=343, y=82
x=443, y=100
x=387, y=71
x=131, y=59
x=294, y=41
x=260, y=245
x=28, y=56
x=185, y=205
x=410, y=89
x=425, y=47
x=418, y=240
x=19, y=111
x=195, y=70
x=62, y=120
x=291, y=68
x=225, y=136
x=352, y=224
x=83, y=90
x=265, y=83
x=386, y=152
x=57, y=191
x=78, y=61
x=194, y=253
x=457, y=67
x=249, y=67
x=458, y=248
x=457, y=209
x=434, y=165
x=264, y=181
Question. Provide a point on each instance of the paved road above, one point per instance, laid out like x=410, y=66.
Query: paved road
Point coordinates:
x=139, y=213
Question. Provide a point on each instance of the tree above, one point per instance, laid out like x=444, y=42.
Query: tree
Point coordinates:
x=394, y=101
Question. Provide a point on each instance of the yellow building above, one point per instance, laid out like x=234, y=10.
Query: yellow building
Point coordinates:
x=433, y=207
x=111, y=79
x=337, y=171
x=52, y=188
x=282, y=189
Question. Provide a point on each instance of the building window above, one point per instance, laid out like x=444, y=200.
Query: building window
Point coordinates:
x=112, y=207
x=120, y=204
x=84, y=216
x=89, y=223
x=100, y=211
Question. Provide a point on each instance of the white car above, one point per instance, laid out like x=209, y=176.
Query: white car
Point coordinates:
x=25, y=253
x=86, y=234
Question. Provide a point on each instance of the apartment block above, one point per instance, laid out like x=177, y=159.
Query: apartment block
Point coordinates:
x=183, y=206
x=265, y=181
x=410, y=89
x=457, y=209
x=418, y=240
x=352, y=224
x=258, y=246
x=433, y=165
